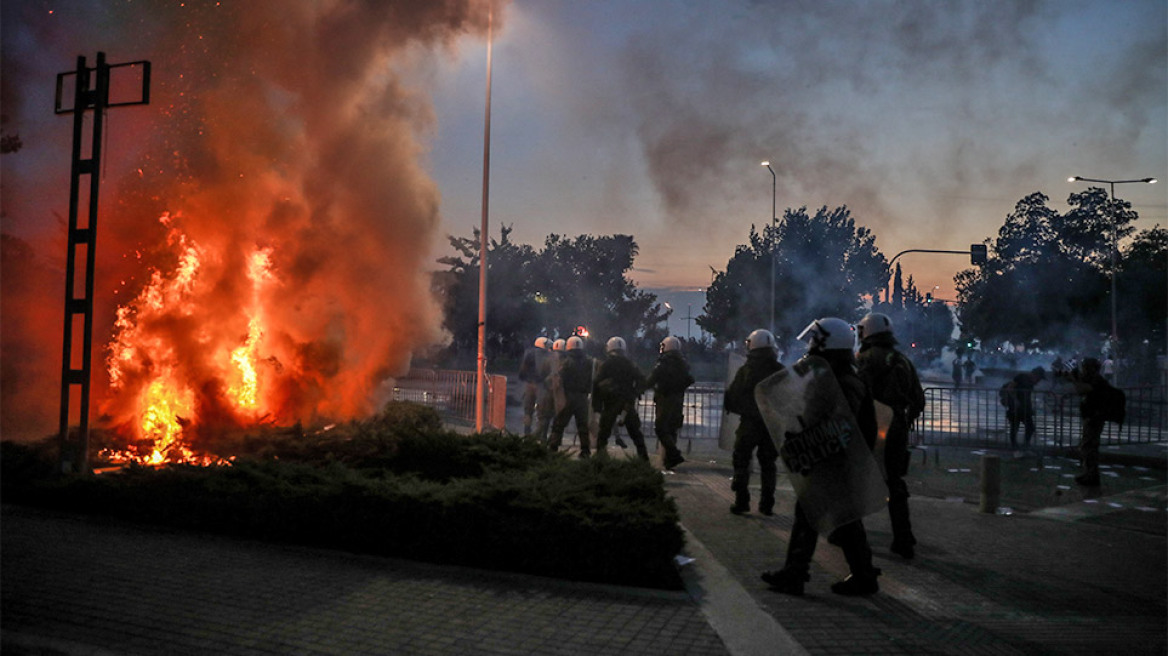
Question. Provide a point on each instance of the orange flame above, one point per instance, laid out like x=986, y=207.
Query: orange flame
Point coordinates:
x=165, y=405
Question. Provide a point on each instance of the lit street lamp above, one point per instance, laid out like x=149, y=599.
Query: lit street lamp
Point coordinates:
x=774, y=219
x=1114, y=249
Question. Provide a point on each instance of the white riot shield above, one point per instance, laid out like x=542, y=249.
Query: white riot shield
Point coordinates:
x=819, y=442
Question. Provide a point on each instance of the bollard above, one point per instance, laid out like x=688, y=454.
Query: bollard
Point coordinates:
x=991, y=483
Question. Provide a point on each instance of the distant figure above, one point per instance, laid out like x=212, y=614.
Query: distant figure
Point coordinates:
x=1089, y=382
x=531, y=373
x=1018, y=397
x=669, y=380
x=762, y=360
x=970, y=368
x=1107, y=370
x=550, y=375
x=619, y=382
x=1058, y=367
x=575, y=376
x=957, y=373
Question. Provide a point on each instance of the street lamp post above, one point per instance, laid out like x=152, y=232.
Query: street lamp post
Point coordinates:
x=1114, y=250
x=774, y=219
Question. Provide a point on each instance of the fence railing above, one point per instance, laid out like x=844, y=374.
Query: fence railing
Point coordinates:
x=452, y=394
x=970, y=416
x=975, y=416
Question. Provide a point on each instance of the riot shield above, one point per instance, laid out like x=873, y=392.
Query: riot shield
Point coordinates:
x=832, y=469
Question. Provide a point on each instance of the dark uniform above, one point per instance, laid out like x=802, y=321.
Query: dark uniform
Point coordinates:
x=669, y=379
x=851, y=538
x=532, y=373
x=576, y=377
x=618, y=384
x=752, y=434
x=1020, y=404
x=893, y=381
x=1093, y=408
x=545, y=407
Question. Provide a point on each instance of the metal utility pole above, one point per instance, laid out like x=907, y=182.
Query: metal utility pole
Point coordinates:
x=91, y=90
x=1114, y=265
x=481, y=377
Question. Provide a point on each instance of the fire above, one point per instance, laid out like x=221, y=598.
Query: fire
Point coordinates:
x=145, y=361
x=162, y=420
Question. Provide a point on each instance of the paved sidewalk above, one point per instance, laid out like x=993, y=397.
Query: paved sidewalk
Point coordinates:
x=1064, y=573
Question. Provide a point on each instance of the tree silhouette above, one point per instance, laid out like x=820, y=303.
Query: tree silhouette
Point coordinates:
x=824, y=264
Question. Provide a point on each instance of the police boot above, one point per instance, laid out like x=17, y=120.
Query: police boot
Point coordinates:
x=741, y=496
x=786, y=581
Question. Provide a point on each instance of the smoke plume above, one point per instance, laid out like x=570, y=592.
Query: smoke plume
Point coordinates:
x=266, y=216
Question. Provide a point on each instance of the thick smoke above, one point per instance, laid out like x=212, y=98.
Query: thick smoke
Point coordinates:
x=826, y=89
x=275, y=127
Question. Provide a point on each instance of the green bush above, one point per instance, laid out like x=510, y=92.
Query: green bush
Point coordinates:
x=492, y=501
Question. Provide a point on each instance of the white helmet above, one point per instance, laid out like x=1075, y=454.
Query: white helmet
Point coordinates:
x=760, y=339
x=541, y=342
x=575, y=343
x=558, y=345
x=828, y=333
x=873, y=324
x=614, y=344
x=670, y=343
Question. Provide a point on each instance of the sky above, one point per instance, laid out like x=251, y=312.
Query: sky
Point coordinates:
x=929, y=120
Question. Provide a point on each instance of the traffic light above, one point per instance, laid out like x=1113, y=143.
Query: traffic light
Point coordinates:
x=977, y=254
x=928, y=298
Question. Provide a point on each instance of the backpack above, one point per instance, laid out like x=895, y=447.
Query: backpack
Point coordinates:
x=1006, y=394
x=1114, y=404
x=916, y=393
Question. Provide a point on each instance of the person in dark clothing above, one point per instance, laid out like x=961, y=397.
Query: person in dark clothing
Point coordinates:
x=532, y=373
x=576, y=378
x=833, y=339
x=549, y=372
x=761, y=361
x=619, y=382
x=893, y=381
x=669, y=380
x=1019, y=399
x=970, y=367
x=1090, y=382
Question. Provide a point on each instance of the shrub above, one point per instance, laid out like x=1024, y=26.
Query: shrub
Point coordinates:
x=491, y=501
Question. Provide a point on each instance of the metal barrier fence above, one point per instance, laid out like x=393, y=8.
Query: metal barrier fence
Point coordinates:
x=452, y=394
x=971, y=416
x=975, y=416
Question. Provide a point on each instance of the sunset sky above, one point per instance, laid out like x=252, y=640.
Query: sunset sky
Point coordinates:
x=928, y=119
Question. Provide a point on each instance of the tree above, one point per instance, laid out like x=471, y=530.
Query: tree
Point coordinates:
x=824, y=266
x=570, y=283
x=513, y=302
x=1143, y=303
x=1046, y=283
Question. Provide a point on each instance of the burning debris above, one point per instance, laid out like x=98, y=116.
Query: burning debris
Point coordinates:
x=265, y=254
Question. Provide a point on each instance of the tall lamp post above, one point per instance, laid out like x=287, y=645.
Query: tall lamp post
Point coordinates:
x=774, y=219
x=481, y=368
x=1114, y=249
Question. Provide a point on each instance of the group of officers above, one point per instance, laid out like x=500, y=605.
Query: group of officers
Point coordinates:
x=561, y=384
x=561, y=381
x=878, y=372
